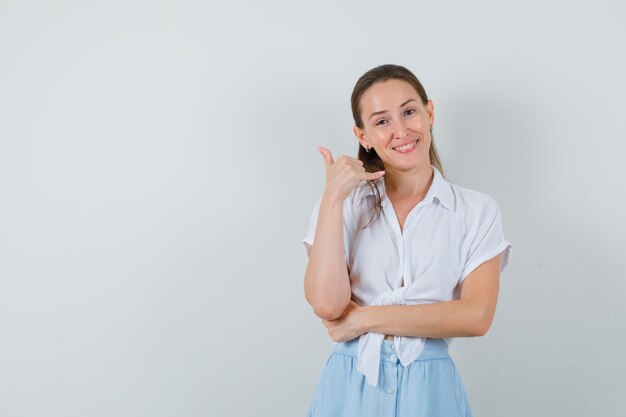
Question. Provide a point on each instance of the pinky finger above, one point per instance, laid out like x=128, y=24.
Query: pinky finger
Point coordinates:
x=374, y=175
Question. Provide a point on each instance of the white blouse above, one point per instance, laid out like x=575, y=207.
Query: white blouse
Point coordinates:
x=445, y=237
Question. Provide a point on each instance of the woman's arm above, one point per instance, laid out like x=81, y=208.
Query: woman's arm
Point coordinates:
x=326, y=281
x=471, y=315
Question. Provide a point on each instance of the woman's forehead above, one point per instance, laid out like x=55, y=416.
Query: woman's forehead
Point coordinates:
x=388, y=95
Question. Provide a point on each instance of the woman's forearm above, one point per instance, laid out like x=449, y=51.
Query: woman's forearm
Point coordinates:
x=457, y=318
x=326, y=281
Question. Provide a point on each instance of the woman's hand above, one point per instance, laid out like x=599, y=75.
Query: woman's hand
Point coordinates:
x=344, y=174
x=348, y=326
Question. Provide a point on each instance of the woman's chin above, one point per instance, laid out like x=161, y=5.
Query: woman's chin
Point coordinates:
x=407, y=164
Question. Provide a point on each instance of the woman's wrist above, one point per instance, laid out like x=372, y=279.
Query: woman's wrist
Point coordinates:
x=332, y=198
x=365, y=319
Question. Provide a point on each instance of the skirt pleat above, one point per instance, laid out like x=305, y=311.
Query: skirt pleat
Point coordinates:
x=430, y=386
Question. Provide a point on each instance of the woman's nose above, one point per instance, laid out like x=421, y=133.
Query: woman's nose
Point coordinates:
x=401, y=129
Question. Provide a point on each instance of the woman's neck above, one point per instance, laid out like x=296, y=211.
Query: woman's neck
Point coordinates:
x=408, y=185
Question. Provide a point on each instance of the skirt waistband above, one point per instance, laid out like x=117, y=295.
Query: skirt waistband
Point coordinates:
x=433, y=349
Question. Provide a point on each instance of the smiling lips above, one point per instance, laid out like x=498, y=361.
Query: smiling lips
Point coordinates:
x=406, y=148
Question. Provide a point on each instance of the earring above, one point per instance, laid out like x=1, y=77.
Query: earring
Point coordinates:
x=367, y=150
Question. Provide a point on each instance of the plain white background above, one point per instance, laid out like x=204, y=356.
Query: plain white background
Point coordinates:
x=158, y=170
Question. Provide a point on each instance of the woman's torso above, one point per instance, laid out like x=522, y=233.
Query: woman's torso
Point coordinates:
x=401, y=209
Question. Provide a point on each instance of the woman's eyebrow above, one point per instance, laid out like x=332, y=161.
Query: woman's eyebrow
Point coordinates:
x=385, y=111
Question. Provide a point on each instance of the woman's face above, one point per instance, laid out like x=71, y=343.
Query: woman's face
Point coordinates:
x=393, y=116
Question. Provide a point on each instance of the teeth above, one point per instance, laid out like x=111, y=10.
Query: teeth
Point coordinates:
x=405, y=147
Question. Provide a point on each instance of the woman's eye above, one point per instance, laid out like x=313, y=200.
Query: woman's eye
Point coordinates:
x=410, y=110
x=379, y=122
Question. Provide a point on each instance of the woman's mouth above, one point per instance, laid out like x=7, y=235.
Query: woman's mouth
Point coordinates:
x=406, y=148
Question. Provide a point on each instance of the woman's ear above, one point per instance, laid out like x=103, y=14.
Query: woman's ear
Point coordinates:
x=360, y=135
x=431, y=113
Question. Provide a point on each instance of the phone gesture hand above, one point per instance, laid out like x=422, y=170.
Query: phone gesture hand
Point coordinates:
x=344, y=174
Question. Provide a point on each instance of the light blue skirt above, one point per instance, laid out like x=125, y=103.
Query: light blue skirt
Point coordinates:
x=430, y=386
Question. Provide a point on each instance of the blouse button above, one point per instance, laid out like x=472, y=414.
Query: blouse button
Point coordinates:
x=389, y=390
x=392, y=357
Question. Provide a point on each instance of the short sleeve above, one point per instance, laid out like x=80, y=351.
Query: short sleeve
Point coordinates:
x=307, y=241
x=348, y=229
x=487, y=240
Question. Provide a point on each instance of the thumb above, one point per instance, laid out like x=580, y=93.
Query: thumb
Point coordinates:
x=328, y=157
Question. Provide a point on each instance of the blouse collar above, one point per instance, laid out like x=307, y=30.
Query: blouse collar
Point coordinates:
x=440, y=189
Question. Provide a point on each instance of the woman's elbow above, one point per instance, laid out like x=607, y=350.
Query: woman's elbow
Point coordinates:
x=328, y=312
x=326, y=305
x=323, y=308
x=480, y=330
x=482, y=325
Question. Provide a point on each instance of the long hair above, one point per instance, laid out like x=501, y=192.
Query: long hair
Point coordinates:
x=371, y=160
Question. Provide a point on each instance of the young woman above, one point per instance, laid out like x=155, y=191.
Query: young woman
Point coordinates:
x=400, y=261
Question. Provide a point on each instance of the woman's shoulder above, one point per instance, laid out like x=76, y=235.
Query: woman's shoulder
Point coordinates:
x=472, y=201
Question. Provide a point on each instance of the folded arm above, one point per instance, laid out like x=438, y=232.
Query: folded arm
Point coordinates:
x=471, y=315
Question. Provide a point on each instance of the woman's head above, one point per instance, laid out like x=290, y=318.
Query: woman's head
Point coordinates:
x=390, y=88
x=390, y=108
